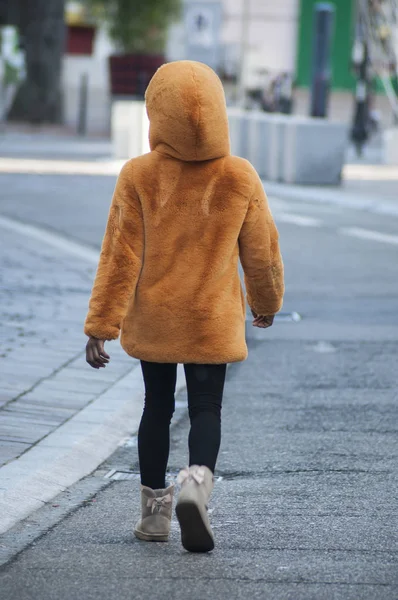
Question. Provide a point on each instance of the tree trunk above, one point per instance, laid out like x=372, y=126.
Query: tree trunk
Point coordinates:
x=8, y=13
x=42, y=28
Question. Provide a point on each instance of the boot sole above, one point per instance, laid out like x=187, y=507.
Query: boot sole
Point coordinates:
x=150, y=537
x=195, y=534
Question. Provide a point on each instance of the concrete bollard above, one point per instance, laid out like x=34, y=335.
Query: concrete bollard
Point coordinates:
x=244, y=133
x=391, y=146
x=313, y=151
x=300, y=150
x=130, y=129
x=236, y=133
x=290, y=149
x=265, y=143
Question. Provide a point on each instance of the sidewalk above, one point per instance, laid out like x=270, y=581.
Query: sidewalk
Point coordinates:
x=302, y=507
x=304, y=503
x=52, y=143
x=59, y=419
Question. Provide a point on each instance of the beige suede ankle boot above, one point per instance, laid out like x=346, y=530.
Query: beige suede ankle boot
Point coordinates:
x=156, y=507
x=196, y=486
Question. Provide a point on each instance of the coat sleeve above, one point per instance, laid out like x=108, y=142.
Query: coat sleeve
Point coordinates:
x=260, y=256
x=120, y=261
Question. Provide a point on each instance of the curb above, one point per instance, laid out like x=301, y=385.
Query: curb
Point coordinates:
x=74, y=450
x=326, y=195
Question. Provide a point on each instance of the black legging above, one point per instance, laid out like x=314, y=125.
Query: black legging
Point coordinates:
x=205, y=385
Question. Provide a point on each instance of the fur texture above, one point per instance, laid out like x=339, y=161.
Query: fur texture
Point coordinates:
x=181, y=216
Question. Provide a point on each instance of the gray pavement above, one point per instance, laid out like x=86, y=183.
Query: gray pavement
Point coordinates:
x=51, y=143
x=43, y=299
x=303, y=511
x=305, y=504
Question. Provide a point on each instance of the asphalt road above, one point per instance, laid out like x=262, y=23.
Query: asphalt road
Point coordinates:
x=306, y=508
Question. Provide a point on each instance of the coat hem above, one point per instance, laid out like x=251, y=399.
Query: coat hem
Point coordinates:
x=177, y=358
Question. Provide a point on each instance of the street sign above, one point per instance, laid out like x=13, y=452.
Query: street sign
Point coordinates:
x=200, y=22
x=202, y=32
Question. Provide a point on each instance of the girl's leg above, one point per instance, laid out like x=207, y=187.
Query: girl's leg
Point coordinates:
x=205, y=385
x=154, y=431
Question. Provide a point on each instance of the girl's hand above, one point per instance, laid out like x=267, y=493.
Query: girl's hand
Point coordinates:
x=95, y=353
x=263, y=322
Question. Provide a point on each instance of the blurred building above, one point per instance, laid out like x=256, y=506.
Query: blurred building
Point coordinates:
x=86, y=60
x=271, y=36
x=277, y=39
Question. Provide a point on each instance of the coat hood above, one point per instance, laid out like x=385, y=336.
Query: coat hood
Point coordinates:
x=187, y=111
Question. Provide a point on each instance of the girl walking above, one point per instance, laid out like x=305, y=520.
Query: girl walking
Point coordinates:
x=168, y=281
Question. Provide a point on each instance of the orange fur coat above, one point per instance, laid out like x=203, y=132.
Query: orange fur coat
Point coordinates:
x=181, y=216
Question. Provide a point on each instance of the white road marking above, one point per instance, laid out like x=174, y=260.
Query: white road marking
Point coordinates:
x=51, y=239
x=300, y=220
x=368, y=234
x=60, y=167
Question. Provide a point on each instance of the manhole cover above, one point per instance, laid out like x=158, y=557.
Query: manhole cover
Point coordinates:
x=116, y=475
x=125, y=475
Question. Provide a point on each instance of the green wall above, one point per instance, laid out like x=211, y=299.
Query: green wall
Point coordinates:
x=342, y=77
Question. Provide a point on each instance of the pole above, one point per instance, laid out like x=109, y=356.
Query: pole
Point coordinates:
x=360, y=127
x=83, y=97
x=2, y=89
x=321, y=67
x=241, y=93
x=360, y=130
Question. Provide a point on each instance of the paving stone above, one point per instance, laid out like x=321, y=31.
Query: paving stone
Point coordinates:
x=11, y=449
x=26, y=407
x=59, y=399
